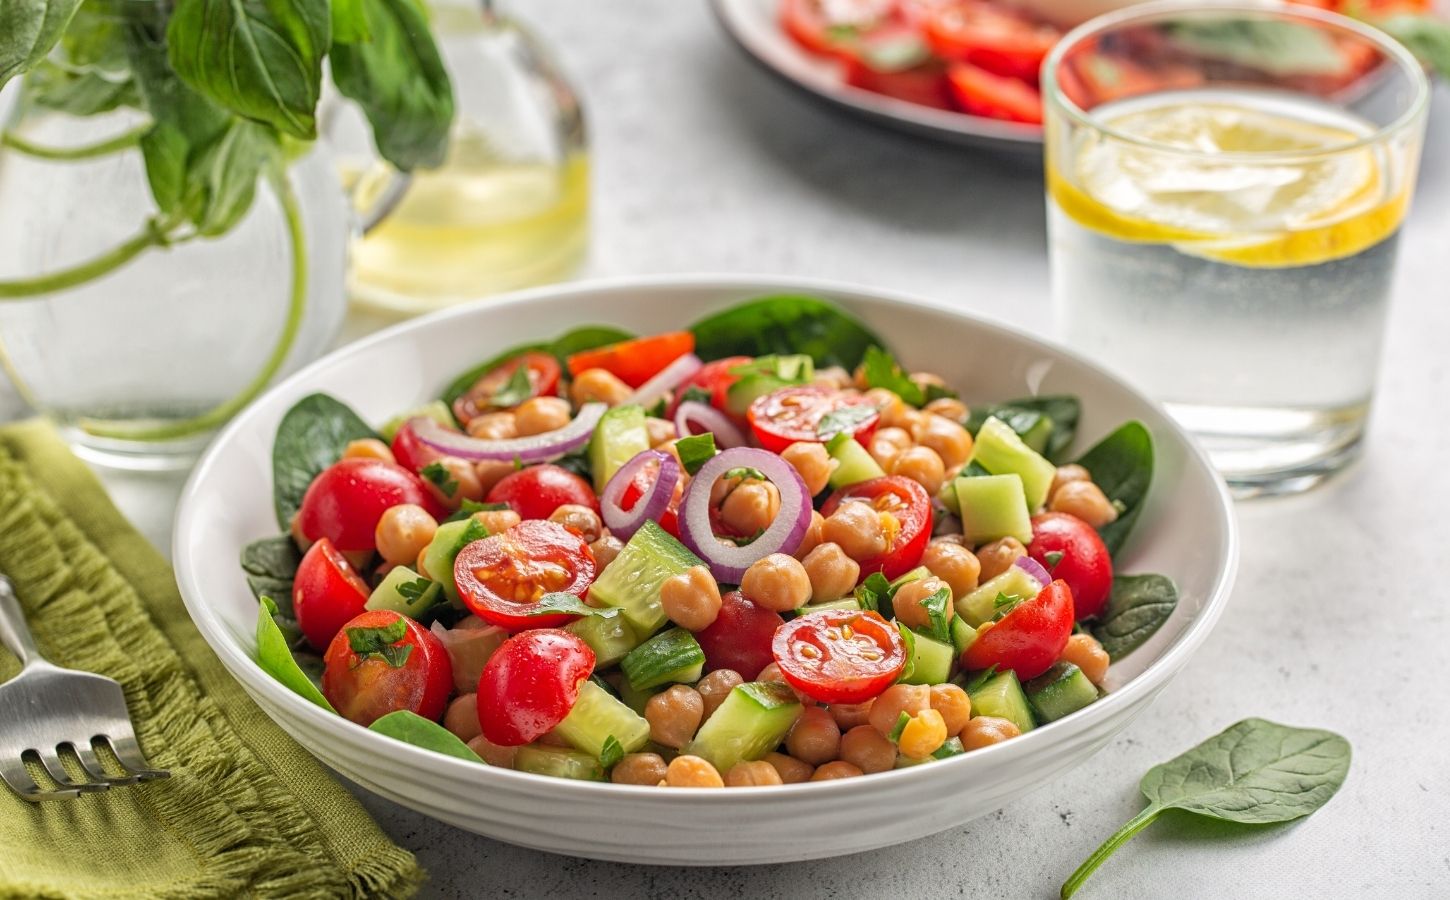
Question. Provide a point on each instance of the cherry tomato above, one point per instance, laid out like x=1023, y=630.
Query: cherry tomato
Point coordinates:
x=410, y=452
x=502, y=577
x=1082, y=559
x=740, y=637
x=326, y=593
x=543, y=373
x=715, y=379
x=832, y=27
x=907, y=502
x=636, y=361
x=644, y=479
x=799, y=413
x=535, y=492
x=1030, y=638
x=412, y=671
x=530, y=684
x=346, y=500
x=992, y=37
x=839, y=656
x=982, y=93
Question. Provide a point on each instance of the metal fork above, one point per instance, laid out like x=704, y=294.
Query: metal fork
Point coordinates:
x=46, y=710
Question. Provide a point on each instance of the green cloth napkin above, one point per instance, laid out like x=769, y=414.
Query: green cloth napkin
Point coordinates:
x=247, y=812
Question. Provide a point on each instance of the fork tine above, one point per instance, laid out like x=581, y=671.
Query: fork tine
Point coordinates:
x=14, y=773
x=57, y=771
x=129, y=754
x=93, y=766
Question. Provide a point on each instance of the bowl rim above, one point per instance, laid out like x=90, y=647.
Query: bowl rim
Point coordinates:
x=239, y=663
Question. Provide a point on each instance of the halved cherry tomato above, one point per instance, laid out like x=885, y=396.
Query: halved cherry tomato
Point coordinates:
x=740, y=637
x=982, y=93
x=326, y=593
x=502, y=577
x=366, y=675
x=637, y=361
x=1080, y=558
x=909, y=504
x=987, y=35
x=800, y=413
x=346, y=500
x=1030, y=638
x=535, y=492
x=410, y=452
x=530, y=684
x=644, y=479
x=839, y=656
x=714, y=378
x=832, y=27
x=543, y=374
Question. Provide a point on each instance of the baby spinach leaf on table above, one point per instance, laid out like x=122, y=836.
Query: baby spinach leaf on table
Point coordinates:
x=1122, y=465
x=271, y=565
x=28, y=30
x=785, y=325
x=310, y=437
x=276, y=659
x=1137, y=607
x=1254, y=772
x=1063, y=409
x=411, y=728
x=584, y=338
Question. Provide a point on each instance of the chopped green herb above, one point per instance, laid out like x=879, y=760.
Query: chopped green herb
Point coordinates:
x=902, y=721
x=844, y=419
x=695, y=451
x=560, y=602
x=881, y=370
x=1004, y=604
x=413, y=591
x=468, y=507
x=695, y=394
x=382, y=642
x=440, y=478
x=875, y=594
x=1053, y=557
x=516, y=390
x=940, y=392
x=744, y=472
x=611, y=753
x=936, y=613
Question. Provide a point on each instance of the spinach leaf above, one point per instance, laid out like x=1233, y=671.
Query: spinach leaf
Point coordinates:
x=1063, y=409
x=276, y=659
x=1254, y=772
x=28, y=30
x=785, y=325
x=261, y=59
x=411, y=728
x=1137, y=607
x=271, y=564
x=310, y=437
x=584, y=338
x=1122, y=465
x=398, y=79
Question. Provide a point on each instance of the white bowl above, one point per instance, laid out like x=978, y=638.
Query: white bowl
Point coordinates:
x=1187, y=531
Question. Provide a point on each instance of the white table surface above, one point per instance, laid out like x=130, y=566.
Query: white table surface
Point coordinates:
x=702, y=163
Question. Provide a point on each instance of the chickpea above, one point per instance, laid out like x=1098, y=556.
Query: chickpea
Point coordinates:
x=537, y=415
x=1084, y=651
x=984, y=731
x=815, y=738
x=954, y=564
x=838, y=769
x=923, y=735
x=907, y=603
x=600, y=385
x=660, y=431
x=674, y=715
x=692, y=771
x=832, y=377
x=491, y=471
x=581, y=520
x=691, y=599
x=777, y=582
x=1065, y=474
x=752, y=774
x=811, y=462
x=605, y=550
x=949, y=408
x=751, y=507
x=998, y=556
x=895, y=700
x=497, y=521
x=856, y=528
x=403, y=532
x=461, y=717
x=494, y=426
x=894, y=411
x=790, y=769
x=493, y=754
x=849, y=715
x=832, y=573
x=865, y=748
x=858, y=378
x=922, y=465
x=887, y=443
x=812, y=538
x=464, y=482
x=368, y=448
x=716, y=686
x=953, y=704
x=771, y=672
x=639, y=768
x=1084, y=500
x=949, y=439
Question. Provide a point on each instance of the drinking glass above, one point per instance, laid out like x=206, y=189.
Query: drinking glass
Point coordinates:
x=1225, y=187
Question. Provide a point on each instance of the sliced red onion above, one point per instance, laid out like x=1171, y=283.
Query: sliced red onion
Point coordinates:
x=623, y=523
x=1035, y=569
x=710, y=419
x=727, y=561
x=668, y=379
x=531, y=449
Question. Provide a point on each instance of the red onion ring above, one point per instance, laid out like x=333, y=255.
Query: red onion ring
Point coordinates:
x=727, y=561
x=727, y=435
x=623, y=523
x=1035, y=569
x=666, y=380
x=531, y=449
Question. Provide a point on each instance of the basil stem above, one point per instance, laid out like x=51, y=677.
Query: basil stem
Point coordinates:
x=122, y=141
x=155, y=234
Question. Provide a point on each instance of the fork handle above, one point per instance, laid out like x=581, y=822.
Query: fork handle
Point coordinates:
x=13, y=631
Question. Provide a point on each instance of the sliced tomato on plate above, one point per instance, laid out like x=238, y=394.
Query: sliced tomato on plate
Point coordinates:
x=502, y=577
x=530, y=684
x=499, y=388
x=909, y=504
x=984, y=93
x=833, y=27
x=810, y=413
x=1030, y=638
x=635, y=361
x=839, y=656
x=924, y=85
x=991, y=37
x=381, y=662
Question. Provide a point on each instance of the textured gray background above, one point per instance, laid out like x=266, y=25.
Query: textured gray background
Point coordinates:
x=1339, y=619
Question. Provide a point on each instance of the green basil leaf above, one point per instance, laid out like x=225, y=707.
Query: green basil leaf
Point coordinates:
x=382, y=642
x=875, y=594
x=1122, y=465
x=411, y=728
x=87, y=73
x=695, y=451
x=226, y=171
x=587, y=337
x=516, y=390
x=440, y=478
x=1063, y=410
x=936, y=613
x=559, y=602
x=611, y=753
x=397, y=77
x=28, y=31
x=844, y=419
x=881, y=370
x=785, y=325
x=1137, y=607
x=1427, y=36
x=349, y=22
x=310, y=437
x=276, y=659
x=1274, y=46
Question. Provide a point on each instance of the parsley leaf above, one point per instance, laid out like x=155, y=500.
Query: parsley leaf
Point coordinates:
x=744, y=472
x=875, y=594
x=516, y=390
x=611, y=752
x=936, y=613
x=1053, y=557
x=440, y=478
x=695, y=451
x=468, y=507
x=844, y=419
x=881, y=370
x=413, y=591
x=694, y=394
x=1004, y=604
x=382, y=642
x=560, y=602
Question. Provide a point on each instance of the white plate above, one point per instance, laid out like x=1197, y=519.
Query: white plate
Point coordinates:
x=1187, y=531
x=755, y=26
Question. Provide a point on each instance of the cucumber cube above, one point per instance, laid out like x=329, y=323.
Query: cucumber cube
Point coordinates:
x=450, y=538
x=854, y=464
x=1060, y=691
x=610, y=637
x=931, y=661
x=1001, y=451
x=672, y=656
x=558, y=762
x=751, y=722
x=619, y=437
x=389, y=594
x=992, y=507
x=596, y=717
x=632, y=581
x=1001, y=696
x=981, y=604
